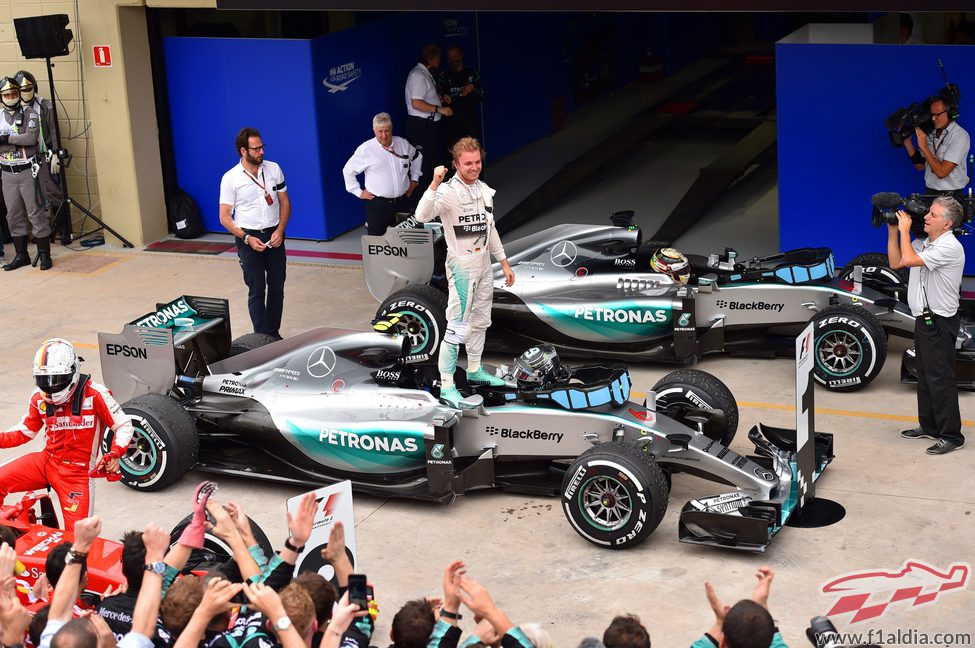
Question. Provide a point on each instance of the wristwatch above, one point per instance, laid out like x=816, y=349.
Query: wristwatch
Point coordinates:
x=246, y=236
x=282, y=624
x=156, y=567
x=74, y=557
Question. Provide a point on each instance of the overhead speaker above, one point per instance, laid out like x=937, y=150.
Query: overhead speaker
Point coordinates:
x=43, y=36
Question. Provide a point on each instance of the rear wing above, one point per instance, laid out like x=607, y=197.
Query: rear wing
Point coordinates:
x=183, y=337
x=402, y=256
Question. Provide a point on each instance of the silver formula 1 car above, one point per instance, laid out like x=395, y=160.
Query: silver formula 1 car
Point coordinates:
x=330, y=405
x=588, y=289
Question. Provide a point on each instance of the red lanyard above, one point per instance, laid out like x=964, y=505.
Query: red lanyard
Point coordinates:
x=267, y=196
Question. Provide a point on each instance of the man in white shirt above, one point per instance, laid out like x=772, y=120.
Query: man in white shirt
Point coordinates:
x=425, y=110
x=391, y=167
x=254, y=207
x=942, y=154
x=933, y=288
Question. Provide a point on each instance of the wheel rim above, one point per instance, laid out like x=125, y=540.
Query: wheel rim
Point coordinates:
x=416, y=330
x=839, y=353
x=141, y=456
x=605, y=503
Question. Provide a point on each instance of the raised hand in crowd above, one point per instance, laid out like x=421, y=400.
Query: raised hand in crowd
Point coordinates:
x=14, y=618
x=478, y=600
x=747, y=620
x=215, y=601
x=451, y=592
x=266, y=601
x=299, y=526
x=236, y=512
x=8, y=560
x=225, y=528
x=335, y=555
x=343, y=615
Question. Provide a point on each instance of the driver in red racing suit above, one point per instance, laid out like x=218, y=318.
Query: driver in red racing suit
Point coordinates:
x=74, y=413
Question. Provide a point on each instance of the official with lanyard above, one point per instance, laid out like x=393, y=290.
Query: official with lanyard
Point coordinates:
x=391, y=168
x=254, y=207
x=933, y=290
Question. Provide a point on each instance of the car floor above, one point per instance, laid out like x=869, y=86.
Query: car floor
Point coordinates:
x=900, y=503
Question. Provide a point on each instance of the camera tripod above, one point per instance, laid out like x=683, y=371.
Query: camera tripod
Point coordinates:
x=62, y=216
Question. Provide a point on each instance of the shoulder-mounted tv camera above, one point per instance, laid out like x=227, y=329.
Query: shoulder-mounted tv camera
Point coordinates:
x=886, y=204
x=902, y=122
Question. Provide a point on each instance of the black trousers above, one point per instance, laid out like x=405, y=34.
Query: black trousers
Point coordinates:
x=426, y=135
x=937, y=392
x=264, y=274
x=381, y=213
x=957, y=194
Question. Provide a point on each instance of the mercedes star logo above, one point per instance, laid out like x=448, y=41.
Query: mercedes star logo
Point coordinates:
x=321, y=362
x=564, y=253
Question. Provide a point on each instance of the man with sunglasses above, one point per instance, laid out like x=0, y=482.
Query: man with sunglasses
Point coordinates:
x=390, y=167
x=254, y=207
x=941, y=155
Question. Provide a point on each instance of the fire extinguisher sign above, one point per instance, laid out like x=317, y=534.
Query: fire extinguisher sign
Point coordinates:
x=103, y=55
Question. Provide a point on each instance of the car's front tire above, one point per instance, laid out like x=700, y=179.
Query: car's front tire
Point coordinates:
x=423, y=319
x=850, y=347
x=614, y=495
x=164, y=443
x=878, y=274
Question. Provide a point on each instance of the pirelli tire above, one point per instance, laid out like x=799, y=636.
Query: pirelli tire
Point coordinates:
x=249, y=342
x=423, y=319
x=614, y=495
x=164, y=443
x=849, y=348
x=692, y=388
x=878, y=274
x=215, y=552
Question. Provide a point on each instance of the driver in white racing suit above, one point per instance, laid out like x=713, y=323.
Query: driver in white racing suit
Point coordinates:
x=464, y=205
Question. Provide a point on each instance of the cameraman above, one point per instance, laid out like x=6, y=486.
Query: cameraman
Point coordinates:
x=933, y=289
x=943, y=157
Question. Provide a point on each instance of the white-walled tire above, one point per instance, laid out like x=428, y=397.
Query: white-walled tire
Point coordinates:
x=164, y=443
x=850, y=347
x=614, y=495
x=423, y=319
x=699, y=389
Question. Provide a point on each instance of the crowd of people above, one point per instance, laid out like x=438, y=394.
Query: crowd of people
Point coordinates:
x=171, y=597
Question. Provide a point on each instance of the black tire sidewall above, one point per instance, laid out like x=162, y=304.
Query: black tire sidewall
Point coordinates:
x=148, y=429
x=834, y=322
x=214, y=546
x=685, y=390
x=607, y=464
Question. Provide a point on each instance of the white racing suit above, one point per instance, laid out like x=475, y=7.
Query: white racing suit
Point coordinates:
x=466, y=212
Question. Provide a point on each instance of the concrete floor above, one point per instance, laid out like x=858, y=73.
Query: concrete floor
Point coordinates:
x=901, y=504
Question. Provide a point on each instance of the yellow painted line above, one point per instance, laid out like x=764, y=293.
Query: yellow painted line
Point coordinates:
x=827, y=410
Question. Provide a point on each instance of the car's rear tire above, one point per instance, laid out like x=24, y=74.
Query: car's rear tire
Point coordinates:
x=164, y=443
x=249, y=342
x=698, y=389
x=614, y=495
x=850, y=347
x=423, y=318
x=215, y=550
x=878, y=274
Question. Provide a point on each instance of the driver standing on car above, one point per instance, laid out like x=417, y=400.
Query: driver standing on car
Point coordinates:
x=74, y=412
x=933, y=291
x=465, y=206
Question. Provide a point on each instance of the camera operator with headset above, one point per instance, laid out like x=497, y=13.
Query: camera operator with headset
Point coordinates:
x=942, y=158
x=933, y=291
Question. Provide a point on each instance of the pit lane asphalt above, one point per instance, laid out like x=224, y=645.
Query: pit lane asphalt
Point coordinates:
x=901, y=504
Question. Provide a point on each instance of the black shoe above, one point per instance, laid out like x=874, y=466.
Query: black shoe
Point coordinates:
x=21, y=259
x=44, y=253
x=943, y=446
x=917, y=433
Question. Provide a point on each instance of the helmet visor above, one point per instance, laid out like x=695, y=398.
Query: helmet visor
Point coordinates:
x=54, y=383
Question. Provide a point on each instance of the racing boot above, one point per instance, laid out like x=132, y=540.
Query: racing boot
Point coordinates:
x=44, y=252
x=451, y=396
x=481, y=377
x=22, y=258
